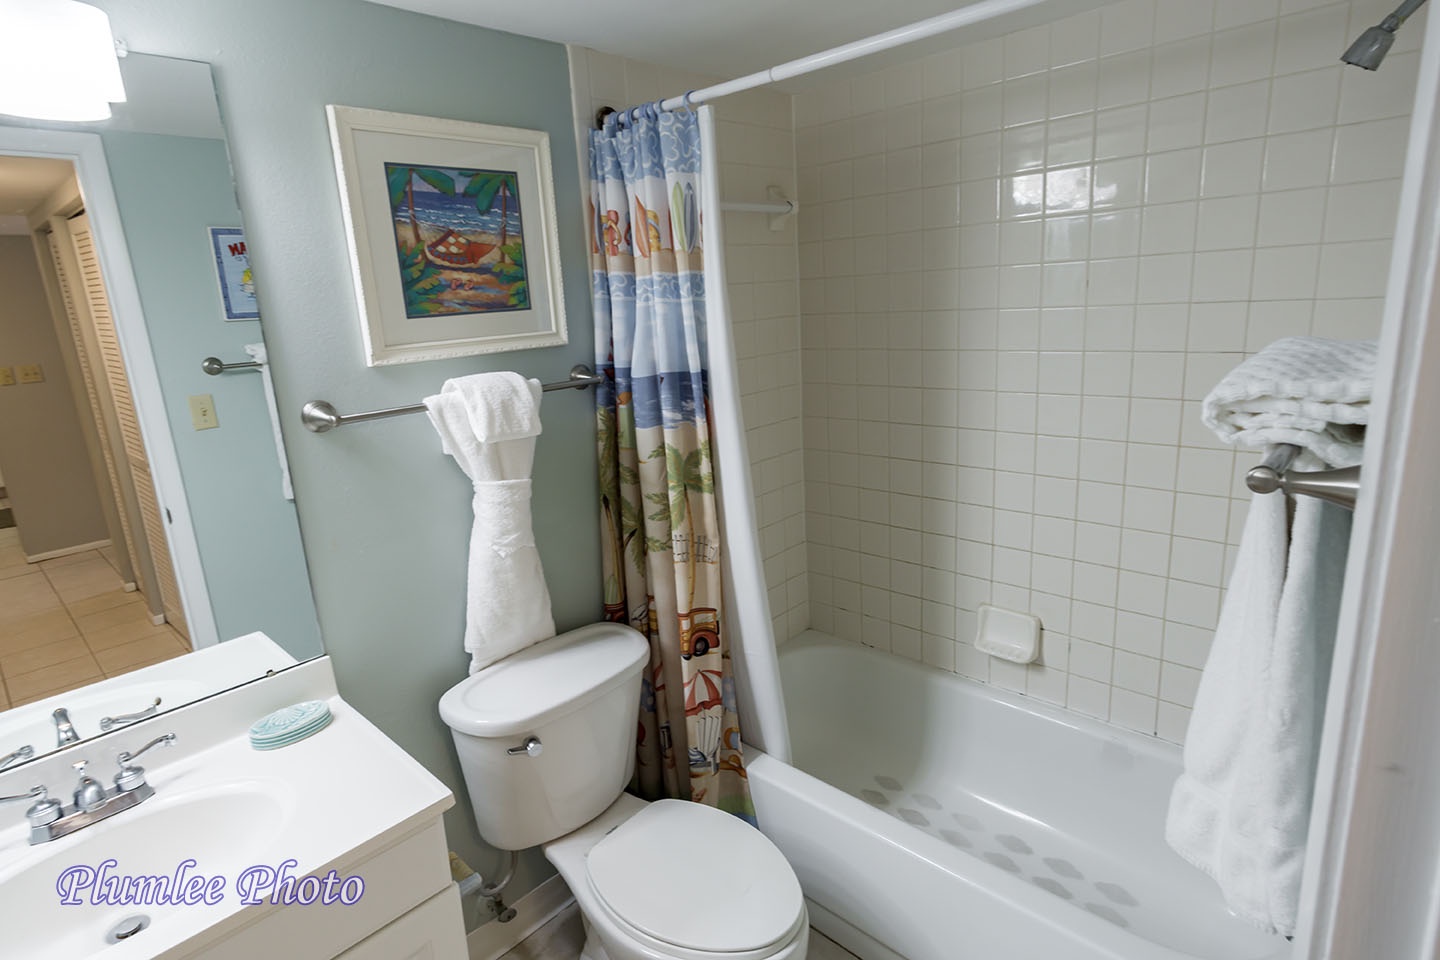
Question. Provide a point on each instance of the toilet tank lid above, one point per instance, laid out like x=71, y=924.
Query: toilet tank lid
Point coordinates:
x=555, y=676
x=698, y=878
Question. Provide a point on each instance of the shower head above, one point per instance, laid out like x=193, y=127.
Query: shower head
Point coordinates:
x=1370, y=48
x=1372, y=45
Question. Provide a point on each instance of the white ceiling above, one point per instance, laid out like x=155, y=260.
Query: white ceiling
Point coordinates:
x=723, y=38
x=25, y=181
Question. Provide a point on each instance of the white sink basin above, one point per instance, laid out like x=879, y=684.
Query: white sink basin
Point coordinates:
x=225, y=831
x=220, y=803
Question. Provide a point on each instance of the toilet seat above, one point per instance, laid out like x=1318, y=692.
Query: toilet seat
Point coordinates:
x=690, y=881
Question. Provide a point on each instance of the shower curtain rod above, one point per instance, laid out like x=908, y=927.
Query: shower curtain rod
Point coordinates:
x=944, y=23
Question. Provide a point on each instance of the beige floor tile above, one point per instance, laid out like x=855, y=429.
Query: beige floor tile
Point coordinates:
x=110, y=557
x=25, y=596
x=102, y=601
x=36, y=630
x=115, y=660
x=53, y=679
x=12, y=561
x=44, y=655
x=125, y=632
x=131, y=610
x=82, y=581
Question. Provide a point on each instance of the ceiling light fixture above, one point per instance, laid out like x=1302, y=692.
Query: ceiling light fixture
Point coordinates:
x=57, y=61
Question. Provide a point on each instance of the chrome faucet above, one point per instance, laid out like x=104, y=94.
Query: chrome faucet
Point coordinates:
x=50, y=819
x=64, y=729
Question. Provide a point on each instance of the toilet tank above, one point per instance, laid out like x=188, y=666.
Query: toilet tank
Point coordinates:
x=578, y=694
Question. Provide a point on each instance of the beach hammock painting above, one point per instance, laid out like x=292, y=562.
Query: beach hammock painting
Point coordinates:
x=459, y=240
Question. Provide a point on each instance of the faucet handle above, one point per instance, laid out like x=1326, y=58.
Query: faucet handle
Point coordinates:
x=43, y=811
x=132, y=776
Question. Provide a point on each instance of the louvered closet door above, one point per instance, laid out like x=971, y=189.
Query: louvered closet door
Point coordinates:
x=68, y=284
x=114, y=366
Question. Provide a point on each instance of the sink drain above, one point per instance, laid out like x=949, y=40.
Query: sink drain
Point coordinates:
x=127, y=928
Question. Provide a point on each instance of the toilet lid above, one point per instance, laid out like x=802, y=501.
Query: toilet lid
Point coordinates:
x=690, y=875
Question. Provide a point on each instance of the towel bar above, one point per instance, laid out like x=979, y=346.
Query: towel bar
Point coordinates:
x=320, y=416
x=215, y=366
x=1337, y=486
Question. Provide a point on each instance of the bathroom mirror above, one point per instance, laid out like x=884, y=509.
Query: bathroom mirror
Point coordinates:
x=147, y=519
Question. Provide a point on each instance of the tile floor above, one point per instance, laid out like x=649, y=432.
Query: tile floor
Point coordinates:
x=68, y=621
x=563, y=937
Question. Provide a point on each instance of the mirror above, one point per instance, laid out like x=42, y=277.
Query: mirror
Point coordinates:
x=146, y=519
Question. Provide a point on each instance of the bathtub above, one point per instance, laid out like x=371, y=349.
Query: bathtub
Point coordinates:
x=930, y=817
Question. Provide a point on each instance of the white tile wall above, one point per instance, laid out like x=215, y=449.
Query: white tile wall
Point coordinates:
x=757, y=149
x=1023, y=263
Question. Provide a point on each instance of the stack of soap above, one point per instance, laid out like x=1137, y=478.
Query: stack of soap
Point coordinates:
x=289, y=725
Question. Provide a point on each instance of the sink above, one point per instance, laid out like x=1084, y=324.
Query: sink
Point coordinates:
x=224, y=830
x=229, y=807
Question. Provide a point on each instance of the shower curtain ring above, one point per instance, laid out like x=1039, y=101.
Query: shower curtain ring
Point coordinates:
x=685, y=101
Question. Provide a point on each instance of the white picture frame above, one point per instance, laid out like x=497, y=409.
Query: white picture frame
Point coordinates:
x=453, y=236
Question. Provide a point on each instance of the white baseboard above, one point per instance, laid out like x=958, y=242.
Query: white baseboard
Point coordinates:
x=493, y=940
x=65, y=551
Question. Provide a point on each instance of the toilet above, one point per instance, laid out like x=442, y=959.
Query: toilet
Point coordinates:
x=546, y=739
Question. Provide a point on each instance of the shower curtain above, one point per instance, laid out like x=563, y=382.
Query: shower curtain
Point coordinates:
x=659, y=524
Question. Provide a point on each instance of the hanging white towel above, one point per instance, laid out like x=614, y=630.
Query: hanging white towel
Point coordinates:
x=1241, y=809
x=1308, y=391
x=258, y=354
x=488, y=423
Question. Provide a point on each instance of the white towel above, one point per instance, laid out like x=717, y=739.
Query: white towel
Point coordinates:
x=258, y=354
x=488, y=423
x=1241, y=809
x=1308, y=391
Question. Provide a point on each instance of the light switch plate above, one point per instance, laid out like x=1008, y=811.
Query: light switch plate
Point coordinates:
x=31, y=373
x=1008, y=634
x=7, y=376
x=202, y=412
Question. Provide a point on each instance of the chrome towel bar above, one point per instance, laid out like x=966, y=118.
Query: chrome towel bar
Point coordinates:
x=1337, y=486
x=215, y=366
x=320, y=416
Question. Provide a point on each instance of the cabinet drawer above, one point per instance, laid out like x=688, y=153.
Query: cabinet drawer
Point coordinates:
x=435, y=930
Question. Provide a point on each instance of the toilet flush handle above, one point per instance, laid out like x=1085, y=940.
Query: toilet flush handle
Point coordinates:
x=532, y=747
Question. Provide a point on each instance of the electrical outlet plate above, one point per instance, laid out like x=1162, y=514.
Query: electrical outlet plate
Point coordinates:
x=1007, y=634
x=202, y=412
x=31, y=373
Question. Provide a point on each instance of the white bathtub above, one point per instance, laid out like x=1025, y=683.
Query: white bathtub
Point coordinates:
x=933, y=818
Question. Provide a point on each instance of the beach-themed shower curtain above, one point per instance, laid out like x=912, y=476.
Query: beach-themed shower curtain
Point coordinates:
x=660, y=525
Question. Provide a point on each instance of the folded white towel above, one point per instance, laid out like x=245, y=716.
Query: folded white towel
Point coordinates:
x=1311, y=392
x=1241, y=809
x=507, y=605
x=258, y=354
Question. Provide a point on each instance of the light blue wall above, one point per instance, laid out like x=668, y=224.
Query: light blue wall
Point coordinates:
x=384, y=516
x=170, y=189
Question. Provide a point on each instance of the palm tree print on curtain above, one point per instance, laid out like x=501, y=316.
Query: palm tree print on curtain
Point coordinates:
x=660, y=529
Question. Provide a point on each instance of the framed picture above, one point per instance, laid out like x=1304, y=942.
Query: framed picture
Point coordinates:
x=452, y=233
x=232, y=269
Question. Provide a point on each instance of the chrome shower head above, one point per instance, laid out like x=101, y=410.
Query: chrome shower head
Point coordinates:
x=1372, y=45
x=1370, y=48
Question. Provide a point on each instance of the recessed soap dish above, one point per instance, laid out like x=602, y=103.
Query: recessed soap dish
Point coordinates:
x=1008, y=634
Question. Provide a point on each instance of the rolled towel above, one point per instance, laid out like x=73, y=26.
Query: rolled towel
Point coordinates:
x=488, y=423
x=1309, y=391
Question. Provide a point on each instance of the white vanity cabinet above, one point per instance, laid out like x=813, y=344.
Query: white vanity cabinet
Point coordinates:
x=410, y=908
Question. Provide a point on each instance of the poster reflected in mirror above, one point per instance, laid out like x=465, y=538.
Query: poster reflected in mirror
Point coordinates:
x=452, y=233
x=232, y=269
